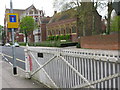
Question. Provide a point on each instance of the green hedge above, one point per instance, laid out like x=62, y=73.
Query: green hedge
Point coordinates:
x=61, y=37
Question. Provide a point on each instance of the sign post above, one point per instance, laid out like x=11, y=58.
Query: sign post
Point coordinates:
x=12, y=19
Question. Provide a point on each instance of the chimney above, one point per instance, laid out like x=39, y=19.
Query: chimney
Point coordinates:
x=55, y=12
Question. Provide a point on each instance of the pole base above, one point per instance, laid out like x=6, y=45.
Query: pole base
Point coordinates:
x=27, y=75
x=15, y=70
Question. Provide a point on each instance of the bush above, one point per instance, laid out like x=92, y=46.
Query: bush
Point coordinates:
x=56, y=38
x=78, y=45
x=67, y=37
x=22, y=43
x=62, y=37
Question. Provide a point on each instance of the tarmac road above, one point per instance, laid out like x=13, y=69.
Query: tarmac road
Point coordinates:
x=19, y=53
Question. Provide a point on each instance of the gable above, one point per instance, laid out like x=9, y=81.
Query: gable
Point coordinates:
x=31, y=9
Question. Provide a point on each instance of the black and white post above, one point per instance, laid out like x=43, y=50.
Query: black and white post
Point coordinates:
x=13, y=46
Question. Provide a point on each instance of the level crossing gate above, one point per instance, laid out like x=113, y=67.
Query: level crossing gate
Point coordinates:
x=73, y=68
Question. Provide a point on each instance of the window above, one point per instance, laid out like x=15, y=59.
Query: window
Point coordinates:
x=57, y=31
x=62, y=31
x=53, y=32
x=67, y=30
x=31, y=12
x=36, y=19
x=73, y=29
x=48, y=32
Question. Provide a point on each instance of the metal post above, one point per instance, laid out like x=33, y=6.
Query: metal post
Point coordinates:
x=13, y=47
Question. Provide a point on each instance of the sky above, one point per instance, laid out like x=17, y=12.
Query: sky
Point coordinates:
x=45, y=5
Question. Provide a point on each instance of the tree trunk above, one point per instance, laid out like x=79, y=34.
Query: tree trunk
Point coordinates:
x=26, y=38
x=93, y=19
x=84, y=32
x=109, y=16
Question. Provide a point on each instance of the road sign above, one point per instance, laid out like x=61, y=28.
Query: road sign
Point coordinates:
x=12, y=20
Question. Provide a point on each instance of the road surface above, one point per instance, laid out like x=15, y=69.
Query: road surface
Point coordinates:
x=19, y=53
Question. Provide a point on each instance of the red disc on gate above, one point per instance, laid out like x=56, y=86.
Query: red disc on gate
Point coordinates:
x=30, y=62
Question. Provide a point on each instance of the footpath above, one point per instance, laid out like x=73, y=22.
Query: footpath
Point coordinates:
x=8, y=80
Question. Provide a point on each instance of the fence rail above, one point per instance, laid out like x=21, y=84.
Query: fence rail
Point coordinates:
x=74, y=68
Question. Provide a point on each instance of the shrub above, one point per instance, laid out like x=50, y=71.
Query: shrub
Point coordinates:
x=67, y=37
x=22, y=43
x=62, y=37
x=56, y=38
x=78, y=45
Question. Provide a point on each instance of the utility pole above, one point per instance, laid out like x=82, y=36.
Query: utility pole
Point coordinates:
x=13, y=46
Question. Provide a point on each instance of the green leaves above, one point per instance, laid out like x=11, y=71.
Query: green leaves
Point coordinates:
x=27, y=23
x=115, y=24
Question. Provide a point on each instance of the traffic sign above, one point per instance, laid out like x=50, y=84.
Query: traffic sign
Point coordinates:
x=12, y=20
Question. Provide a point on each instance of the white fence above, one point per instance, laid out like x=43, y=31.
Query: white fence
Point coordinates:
x=74, y=68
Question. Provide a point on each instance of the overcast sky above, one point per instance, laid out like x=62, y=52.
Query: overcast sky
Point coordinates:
x=45, y=5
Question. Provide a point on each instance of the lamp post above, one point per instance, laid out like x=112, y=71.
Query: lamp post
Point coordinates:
x=13, y=47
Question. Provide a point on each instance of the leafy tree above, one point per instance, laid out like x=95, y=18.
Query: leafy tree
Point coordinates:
x=115, y=24
x=1, y=27
x=27, y=25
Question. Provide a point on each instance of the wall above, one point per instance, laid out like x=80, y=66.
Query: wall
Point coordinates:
x=74, y=38
x=43, y=31
x=109, y=42
x=20, y=37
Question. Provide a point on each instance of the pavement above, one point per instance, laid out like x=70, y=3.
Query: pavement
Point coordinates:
x=18, y=81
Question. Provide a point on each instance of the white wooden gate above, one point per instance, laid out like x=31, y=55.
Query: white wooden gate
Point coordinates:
x=74, y=68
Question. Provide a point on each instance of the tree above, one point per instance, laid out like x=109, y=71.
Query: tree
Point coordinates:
x=115, y=24
x=110, y=8
x=27, y=25
x=1, y=27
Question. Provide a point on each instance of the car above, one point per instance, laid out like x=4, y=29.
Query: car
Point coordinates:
x=16, y=44
x=7, y=45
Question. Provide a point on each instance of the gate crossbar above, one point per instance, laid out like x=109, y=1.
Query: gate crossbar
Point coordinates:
x=44, y=71
x=76, y=71
x=43, y=65
x=98, y=81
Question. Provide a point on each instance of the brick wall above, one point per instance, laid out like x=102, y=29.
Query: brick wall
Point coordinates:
x=109, y=42
x=43, y=31
x=74, y=38
x=20, y=37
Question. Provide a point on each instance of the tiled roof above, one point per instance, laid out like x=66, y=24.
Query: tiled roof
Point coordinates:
x=63, y=15
x=45, y=20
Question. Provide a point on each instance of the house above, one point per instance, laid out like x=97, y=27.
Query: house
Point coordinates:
x=65, y=23
x=36, y=35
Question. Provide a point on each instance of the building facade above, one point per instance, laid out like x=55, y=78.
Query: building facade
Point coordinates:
x=36, y=35
x=65, y=23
